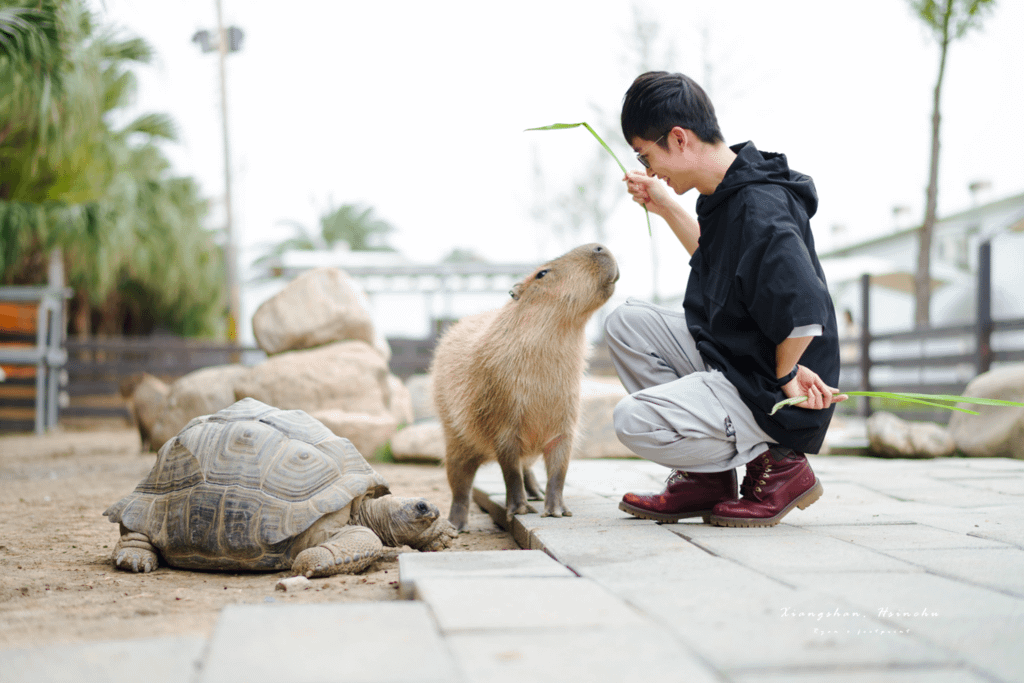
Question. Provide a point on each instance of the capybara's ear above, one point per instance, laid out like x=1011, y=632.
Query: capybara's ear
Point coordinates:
x=516, y=290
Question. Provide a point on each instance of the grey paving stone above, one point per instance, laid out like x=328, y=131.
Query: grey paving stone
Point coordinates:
x=476, y=605
x=882, y=594
x=1002, y=523
x=603, y=655
x=904, y=537
x=921, y=674
x=583, y=546
x=366, y=642
x=164, y=660
x=944, y=492
x=693, y=578
x=1005, y=485
x=413, y=567
x=779, y=555
x=746, y=630
x=997, y=568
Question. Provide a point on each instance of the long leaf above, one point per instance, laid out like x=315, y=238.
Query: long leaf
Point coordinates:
x=934, y=400
x=565, y=126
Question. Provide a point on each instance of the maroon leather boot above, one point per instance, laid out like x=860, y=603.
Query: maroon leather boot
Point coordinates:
x=686, y=494
x=776, y=481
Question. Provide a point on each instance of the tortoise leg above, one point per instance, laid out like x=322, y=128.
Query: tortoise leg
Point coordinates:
x=134, y=553
x=349, y=551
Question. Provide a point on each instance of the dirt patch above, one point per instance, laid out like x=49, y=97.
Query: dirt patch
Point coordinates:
x=57, y=584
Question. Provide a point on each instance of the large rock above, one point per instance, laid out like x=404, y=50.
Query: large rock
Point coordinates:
x=318, y=307
x=349, y=376
x=148, y=400
x=401, y=406
x=421, y=392
x=368, y=433
x=999, y=430
x=420, y=442
x=198, y=393
x=596, y=435
x=894, y=437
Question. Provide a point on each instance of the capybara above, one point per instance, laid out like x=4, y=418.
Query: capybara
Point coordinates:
x=507, y=382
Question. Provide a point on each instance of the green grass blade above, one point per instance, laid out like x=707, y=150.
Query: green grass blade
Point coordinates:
x=565, y=126
x=967, y=399
x=920, y=399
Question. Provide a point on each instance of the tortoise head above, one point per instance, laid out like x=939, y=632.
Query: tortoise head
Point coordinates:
x=404, y=521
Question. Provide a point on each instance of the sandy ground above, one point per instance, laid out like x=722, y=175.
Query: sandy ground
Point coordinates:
x=57, y=584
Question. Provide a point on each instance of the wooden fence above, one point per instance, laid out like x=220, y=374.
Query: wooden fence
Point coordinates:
x=938, y=360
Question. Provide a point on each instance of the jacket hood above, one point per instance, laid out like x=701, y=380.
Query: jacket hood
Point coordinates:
x=752, y=166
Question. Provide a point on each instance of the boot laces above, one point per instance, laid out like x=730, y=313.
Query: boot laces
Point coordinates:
x=756, y=477
x=676, y=476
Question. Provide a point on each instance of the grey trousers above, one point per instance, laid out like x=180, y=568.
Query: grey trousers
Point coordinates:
x=680, y=413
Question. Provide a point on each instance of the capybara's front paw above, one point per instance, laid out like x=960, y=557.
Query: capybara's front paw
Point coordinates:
x=556, y=511
x=458, y=515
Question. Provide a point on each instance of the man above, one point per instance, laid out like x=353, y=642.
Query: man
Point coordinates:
x=757, y=324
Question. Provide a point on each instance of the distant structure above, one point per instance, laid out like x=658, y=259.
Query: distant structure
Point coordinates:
x=407, y=299
x=891, y=259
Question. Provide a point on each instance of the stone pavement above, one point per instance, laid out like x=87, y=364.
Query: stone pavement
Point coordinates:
x=905, y=570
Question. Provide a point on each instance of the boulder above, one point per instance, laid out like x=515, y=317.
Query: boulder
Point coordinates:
x=319, y=307
x=148, y=401
x=368, y=433
x=421, y=391
x=894, y=437
x=401, y=402
x=999, y=430
x=198, y=393
x=596, y=436
x=349, y=376
x=420, y=442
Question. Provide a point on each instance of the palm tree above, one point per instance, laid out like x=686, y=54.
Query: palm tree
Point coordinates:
x=131, y=233
x=353, y=224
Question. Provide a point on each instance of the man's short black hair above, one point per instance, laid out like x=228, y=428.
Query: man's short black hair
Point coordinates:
x=658, y=101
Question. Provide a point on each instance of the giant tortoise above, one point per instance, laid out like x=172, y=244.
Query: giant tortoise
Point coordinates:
x=255, y=488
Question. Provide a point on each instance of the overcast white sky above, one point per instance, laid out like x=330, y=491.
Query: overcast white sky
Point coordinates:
x=418, y=109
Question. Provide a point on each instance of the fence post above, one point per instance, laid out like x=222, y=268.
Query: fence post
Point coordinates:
x=864, y=409
x=983, y=338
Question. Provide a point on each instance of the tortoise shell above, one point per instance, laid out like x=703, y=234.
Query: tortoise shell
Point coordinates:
x=232, y=489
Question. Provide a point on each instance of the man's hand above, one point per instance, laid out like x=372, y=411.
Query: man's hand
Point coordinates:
x=807, y=383
x=650, y=193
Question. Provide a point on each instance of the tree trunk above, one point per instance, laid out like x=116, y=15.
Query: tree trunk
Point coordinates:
x=922, y=278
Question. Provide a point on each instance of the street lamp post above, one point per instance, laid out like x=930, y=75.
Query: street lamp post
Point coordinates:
x=228, y=40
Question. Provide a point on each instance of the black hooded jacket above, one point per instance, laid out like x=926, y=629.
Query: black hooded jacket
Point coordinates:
x=754, y=278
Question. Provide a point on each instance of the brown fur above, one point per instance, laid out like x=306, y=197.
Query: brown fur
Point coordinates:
x=507, y=382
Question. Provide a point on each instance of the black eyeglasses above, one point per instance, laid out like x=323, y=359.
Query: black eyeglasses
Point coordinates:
x=642, y=158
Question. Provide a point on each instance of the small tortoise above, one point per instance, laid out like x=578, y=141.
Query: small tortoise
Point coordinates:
x=255, y=488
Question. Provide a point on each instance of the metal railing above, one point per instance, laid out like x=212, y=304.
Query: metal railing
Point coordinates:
x=47, y=354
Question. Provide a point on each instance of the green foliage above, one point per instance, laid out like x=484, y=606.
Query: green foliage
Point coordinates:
x=130, y=231
x=951, y=19
x=944, y=401
x=353, y=224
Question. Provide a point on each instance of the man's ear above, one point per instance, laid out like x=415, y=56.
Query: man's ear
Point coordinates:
x=517, y=288
x=679, y=137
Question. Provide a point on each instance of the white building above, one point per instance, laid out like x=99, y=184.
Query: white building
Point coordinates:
x=891, y=260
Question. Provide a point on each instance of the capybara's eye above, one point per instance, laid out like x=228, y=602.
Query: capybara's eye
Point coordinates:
x=542, y=274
